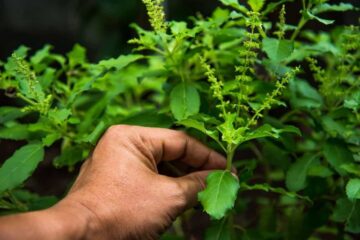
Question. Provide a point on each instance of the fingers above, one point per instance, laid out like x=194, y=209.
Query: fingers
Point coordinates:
x=192, y=184
x=157, y=144
x=169, y=145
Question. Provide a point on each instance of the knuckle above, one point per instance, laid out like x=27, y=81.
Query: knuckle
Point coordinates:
x=179, y=194
x=181, y=134
x=117, y=130
x=199, y=181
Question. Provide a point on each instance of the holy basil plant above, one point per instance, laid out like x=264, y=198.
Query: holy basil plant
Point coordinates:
x=280, y=100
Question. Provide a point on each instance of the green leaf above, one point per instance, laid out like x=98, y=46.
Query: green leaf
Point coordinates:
x=337, y=154
x=278, y=50
x=10, y=113
x=77, y=56
x=273, y=5
x=184, y=101
x=268, y=131
x=69, y=156
x=342, y=210
x=219, y=230
x=220, y=193
x=41, y=55
x=15, y=132
x=325, y=7
x=200, y=126
x=47, y=78
x=303, y=95
x=322, y=20
x=353, y=101
x=256, y=5
x=297, y=173
x=267, y=188
x=120, y=62
x=20, y=166
x=353, y=189
x=94, y=136
x=349, y=212
x=234, y=4
x=49, y=139
x=59, y=116
x=353, y=221
x=178, y=28
x=352, y=168
x=333, y=127
x=320, y=171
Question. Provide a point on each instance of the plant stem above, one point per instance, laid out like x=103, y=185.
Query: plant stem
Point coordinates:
x=301, y=24
x=230, y=155
x=21, y=96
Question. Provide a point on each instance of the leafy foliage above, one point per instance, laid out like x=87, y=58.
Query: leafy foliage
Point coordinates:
x=280, y=101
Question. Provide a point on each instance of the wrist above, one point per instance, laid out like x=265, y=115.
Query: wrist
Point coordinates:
x=72, y=220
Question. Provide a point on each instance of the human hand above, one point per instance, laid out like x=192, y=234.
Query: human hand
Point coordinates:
x=119, y=191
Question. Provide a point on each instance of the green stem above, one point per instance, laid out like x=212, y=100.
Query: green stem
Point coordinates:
x=261, y=31
x=301, y=24
x=19, y=95
x=169, y=54
x=230, y=155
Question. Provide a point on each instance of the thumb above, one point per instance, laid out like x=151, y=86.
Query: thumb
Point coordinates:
x=193, y=183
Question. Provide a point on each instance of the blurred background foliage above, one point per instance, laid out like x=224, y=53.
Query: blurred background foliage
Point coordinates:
x=102, y=26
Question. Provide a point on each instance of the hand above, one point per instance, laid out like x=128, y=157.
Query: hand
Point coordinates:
x=120, y=192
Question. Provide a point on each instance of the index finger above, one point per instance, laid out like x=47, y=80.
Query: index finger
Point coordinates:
x=170, y=145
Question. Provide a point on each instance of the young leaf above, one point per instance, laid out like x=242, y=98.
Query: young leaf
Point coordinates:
x=333, y=127
x=59, y=116
x=297, y=174
x=337, y=154
x=20, y=166
x=220, y=193
x=200, y=126
x=353, y=189
x=94, y=136
x=342, y=210
x=352, y=101
x=267, y=188
x=273, y=5
x=268, y=131
x=353, y=221
x=322, y=20
x=77, y=56
x=49, y=139
x=256, y=5
x=325, y=7
x=120, y=62
x=184, y=101
x=234, y=4
x=352, y=168
x=278, y=50
x=15, y=132
x=349, y=212
x=69, y=157
x=303, y=95
x=10, y=113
